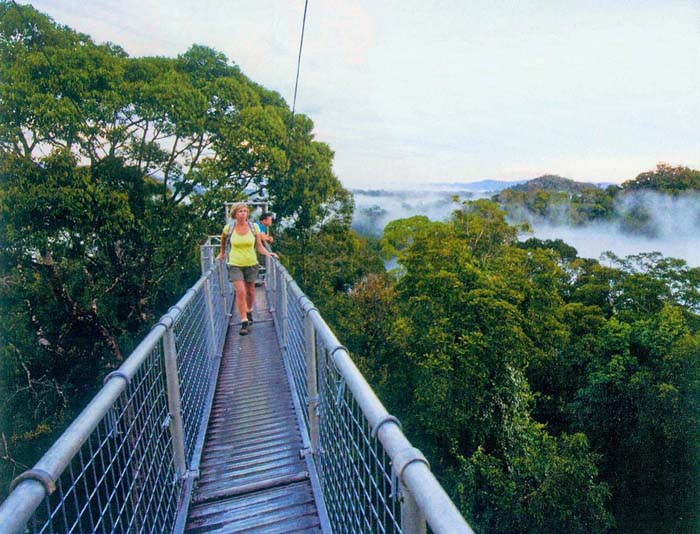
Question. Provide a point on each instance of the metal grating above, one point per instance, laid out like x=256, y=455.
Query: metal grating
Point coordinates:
x=252, y=477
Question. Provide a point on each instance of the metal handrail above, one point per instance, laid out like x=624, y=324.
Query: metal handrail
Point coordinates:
x=325, y=360
x=136, y=446
x=130, y=426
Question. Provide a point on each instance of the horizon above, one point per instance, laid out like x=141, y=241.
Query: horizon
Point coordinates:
x=394, y=186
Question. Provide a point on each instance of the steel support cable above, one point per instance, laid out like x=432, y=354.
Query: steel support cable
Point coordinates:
x=294, y=105
x=301, y=45
x=296, y=87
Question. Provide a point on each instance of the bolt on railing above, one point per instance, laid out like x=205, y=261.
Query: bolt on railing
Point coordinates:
x=127, y=462
x=371, y=477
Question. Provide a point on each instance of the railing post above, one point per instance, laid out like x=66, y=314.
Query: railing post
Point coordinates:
x=311, y=384
x=173, y=383
x=210, y=313
x=203, y=258
x=271, y=279
x=283, y=315
x=412, y=519
x=221, y=266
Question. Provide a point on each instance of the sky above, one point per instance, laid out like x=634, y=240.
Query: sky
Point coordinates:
x=415, y=92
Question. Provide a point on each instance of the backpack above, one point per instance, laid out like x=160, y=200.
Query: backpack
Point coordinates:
x=231, y=228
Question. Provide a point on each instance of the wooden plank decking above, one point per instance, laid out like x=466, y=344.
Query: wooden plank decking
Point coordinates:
x=252, y=477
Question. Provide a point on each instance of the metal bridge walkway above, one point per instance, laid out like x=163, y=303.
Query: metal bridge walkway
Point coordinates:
x=131, y=459
x=252, y=477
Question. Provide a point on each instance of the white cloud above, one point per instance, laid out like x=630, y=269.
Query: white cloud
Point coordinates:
x=446, y=89
x=675, y=221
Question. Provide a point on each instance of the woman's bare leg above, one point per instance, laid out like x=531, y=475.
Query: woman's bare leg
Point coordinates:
x=250, y=295
x=241, y=299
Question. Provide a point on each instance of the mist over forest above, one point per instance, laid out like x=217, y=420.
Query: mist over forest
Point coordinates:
x=549, y=393
x=671, y=222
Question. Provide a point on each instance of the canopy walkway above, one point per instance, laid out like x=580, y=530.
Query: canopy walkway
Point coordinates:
x=205, y=431
x=251, y=476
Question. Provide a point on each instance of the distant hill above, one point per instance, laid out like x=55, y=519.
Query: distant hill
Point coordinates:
x=553, y=184
x=560, y=200
x=557, y=199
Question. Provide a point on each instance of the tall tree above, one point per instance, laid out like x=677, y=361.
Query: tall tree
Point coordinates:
x=470, y=315
x=113, y=169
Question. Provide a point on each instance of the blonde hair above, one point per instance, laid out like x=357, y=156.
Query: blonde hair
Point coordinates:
x=237, y=206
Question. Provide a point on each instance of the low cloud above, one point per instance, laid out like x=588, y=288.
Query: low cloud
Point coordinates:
x=374, y=209
x=643, y=222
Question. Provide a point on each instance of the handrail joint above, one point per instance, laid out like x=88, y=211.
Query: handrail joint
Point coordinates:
x=39, y=475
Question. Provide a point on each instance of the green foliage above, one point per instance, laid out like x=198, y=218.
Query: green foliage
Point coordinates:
x=629, y=409
x=482, y=225
x=543, y=484
x=558, y=200
x=682, y=283
x=553, y=184
x=561, y=201
x=195, y=122
x=87, y=266
x=399, y=234
x=372, y=303
x=551, y=393
x=665, y=179
x=565, y=252
x=113, y=169
x=469, y=318
x=327, y=263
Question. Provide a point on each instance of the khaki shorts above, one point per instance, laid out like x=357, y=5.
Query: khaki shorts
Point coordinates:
x=249, y=274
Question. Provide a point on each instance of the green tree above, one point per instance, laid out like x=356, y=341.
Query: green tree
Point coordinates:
x=665, y=179
x=87, y=265
x=113, y=169
x=400, y=234
x=327, y=263
x=638, y=408
x=482, y=224
x=541, y=484
x=469, y=312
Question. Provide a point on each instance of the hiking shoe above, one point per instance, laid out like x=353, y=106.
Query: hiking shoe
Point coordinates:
x=244, y=328
x=249, y=315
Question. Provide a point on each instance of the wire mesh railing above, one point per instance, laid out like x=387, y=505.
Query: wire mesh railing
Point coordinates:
x=295, y=352
x=193, y=345
x=126, y=463
x=221, y=289
x=359, y=490
x=371, y=477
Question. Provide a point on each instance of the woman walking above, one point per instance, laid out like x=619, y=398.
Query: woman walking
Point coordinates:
x=241, y=240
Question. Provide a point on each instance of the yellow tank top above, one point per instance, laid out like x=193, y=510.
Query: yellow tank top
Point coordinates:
x=242, y=249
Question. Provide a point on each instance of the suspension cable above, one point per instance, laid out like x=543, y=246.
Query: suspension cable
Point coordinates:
x=294, y=101
x=301, y=45
x=296, y=87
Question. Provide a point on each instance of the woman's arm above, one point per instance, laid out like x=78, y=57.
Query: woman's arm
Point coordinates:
x=261, y=249
x=222, y=248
